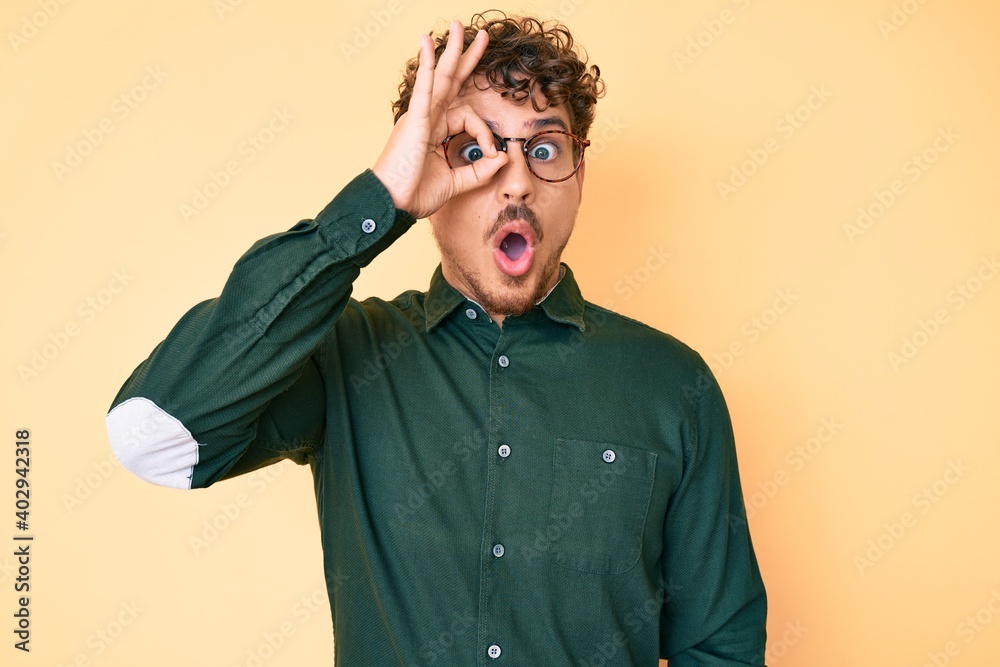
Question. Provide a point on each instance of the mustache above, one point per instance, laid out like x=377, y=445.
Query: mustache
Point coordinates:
x=514, y=212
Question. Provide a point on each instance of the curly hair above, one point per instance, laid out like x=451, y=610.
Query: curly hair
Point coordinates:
x=523, y=53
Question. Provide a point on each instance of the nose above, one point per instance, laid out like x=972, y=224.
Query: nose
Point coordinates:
x=515, y=180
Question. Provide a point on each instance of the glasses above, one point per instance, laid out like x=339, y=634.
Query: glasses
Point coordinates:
x=552, y=156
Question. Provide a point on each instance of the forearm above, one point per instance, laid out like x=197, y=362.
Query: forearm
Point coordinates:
x=190, y=410
x=716, y=613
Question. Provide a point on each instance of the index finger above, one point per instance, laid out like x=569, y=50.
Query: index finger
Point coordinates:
x=454, y=67
x=420, y=100
x=467, y=63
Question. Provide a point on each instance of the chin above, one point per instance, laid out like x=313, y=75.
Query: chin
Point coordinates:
x=522, y=292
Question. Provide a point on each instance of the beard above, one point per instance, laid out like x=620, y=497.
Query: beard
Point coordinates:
x=517, y=294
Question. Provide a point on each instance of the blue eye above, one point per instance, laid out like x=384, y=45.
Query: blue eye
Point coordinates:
x=471, y=152
x=543, y=152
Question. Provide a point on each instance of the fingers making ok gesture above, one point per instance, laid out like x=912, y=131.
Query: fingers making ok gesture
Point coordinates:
x=411, y=167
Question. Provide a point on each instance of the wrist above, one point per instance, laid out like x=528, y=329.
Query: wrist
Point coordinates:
x=388, y=183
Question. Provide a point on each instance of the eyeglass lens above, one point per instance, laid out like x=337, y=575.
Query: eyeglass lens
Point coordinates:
x=551, y=155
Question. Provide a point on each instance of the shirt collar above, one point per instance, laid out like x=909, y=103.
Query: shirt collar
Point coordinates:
x=563, y=303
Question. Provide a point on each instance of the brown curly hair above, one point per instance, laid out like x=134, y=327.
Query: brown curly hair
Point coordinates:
x=524, y=52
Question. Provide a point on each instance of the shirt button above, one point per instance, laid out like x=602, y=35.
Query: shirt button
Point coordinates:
x=368, y=226
x=503, y=451
x=608, y=456
x=471, y=313
x=493, y=651
x=498, y=550
x=503, y=361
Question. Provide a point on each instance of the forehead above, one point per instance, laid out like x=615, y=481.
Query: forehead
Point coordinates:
x=504, y=116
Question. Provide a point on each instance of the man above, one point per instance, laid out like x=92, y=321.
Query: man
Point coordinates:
x=496, y=460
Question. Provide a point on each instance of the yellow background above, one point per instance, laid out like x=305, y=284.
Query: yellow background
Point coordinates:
x=667, y=133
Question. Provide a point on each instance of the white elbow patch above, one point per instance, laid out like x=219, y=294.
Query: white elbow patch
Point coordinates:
x=152, y=444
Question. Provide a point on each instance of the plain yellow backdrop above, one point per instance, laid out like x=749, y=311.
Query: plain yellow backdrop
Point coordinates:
x=805, y=192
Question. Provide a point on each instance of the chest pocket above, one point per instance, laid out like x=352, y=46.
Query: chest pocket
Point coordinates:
x=600, y=498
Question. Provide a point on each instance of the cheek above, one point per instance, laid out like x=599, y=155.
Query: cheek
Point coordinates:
x=456, y=224
x=468, y=211
x=563, y=213
x=456, y=208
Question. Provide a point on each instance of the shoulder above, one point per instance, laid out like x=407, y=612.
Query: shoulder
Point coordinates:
x=641, y=346
x=601, y=323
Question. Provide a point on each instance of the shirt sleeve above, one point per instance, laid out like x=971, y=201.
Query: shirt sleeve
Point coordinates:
x=715, y=605
x=235, y=384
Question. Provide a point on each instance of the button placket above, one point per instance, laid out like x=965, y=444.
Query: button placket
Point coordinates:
x=491, y=625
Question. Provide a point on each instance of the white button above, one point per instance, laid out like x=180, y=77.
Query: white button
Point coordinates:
x=608, y=456
x=471, y=313
x=498, y=550
x=493, y=651
x=368, y=226
x=503, y=361
x=504, y=451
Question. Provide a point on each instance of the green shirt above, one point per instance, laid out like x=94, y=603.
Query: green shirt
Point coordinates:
x=561, y=491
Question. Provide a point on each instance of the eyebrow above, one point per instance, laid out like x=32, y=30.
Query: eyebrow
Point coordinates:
x=535, y=124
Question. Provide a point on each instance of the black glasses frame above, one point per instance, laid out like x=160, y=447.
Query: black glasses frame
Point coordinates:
x=502, y=141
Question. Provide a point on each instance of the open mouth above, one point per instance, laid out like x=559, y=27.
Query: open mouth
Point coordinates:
x=513, y=245
x=513, y=248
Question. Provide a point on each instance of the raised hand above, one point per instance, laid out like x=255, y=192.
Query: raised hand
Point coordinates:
x=411, y=167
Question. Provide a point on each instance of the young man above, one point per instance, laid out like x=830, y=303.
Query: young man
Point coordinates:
x=495, y=458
